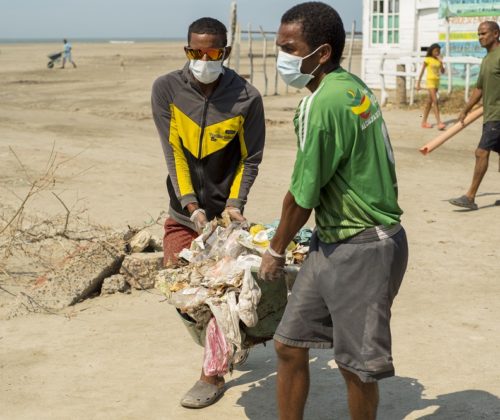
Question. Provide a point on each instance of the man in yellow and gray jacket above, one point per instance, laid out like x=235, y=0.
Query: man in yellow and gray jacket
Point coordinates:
x=212, y=130
x=211, y=125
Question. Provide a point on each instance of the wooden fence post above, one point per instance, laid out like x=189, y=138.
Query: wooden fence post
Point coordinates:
x=401, y=85
x=264, y=58
x=232, y=28
x=467, y=81
x=236, y=49
x=250, y=52
x=275, y=67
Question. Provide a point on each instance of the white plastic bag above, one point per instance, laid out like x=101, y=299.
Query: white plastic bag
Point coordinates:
x=190, y=297
x=249, y=299
x=225, y=271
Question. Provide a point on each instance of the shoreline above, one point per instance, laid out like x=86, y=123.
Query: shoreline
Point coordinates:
x=10, y=41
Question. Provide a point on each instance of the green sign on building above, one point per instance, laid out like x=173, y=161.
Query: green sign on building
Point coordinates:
x=459, y=33
x=469, y=8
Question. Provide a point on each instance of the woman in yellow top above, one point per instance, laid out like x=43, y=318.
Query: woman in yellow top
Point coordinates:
x=434, y=65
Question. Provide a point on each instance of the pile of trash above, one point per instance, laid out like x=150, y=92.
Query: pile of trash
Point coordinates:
x=216, y=290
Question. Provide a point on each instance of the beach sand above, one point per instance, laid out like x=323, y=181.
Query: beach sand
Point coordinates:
x=128, y=356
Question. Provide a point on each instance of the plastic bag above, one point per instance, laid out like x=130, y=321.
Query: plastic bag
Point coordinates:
x=225, y=312
x=225, y=244
x=190, y=297
x=217, y=353
x=231, y=247
x=249, y=261
x=225, y=271
x=249, y=299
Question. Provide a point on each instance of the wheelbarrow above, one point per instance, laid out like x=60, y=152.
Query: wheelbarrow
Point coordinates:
x=53, y=58
x=270, y=310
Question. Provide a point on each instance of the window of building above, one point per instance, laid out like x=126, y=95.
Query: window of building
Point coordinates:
x=385, y=22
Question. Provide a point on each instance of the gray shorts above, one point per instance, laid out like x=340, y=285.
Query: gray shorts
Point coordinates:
x=342, y=298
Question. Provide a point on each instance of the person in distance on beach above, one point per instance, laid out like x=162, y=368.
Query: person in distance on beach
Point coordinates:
x=67, y=54
x=435, y=67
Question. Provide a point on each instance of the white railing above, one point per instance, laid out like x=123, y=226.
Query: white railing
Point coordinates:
x=412, y=66
x=410, y=73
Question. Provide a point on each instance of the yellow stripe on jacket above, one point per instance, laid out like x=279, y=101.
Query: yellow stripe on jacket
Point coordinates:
x=235, y=187
x=185, y=134
x=181, y=166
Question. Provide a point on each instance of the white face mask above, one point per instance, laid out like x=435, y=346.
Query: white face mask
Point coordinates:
x=289, y=69
x=206, y=71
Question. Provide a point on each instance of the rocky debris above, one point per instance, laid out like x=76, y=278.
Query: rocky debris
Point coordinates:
x=140, y=241
x=156, y=244
x=141, y=269
x=79, y=275
x=117, y=283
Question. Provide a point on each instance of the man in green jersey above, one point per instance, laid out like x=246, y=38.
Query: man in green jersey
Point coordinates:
x=344, y=170
x=488, y=88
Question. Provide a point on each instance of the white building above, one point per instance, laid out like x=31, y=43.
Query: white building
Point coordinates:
x=401, y=28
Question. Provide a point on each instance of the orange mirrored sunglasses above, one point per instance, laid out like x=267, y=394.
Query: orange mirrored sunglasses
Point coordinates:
x=213, y=54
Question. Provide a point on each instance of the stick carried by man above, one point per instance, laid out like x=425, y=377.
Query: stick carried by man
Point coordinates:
x=448, y=134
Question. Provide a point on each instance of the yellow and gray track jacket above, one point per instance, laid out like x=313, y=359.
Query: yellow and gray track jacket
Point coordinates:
x=213, y=146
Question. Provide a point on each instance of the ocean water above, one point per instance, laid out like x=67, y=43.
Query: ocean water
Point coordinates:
x=121, y=40
x=116, y=40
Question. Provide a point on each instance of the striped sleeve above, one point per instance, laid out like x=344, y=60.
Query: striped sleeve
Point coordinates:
x=318, y=154
x=165, y=121
x=252, y=139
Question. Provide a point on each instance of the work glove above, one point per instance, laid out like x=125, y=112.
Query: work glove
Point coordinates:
x=235, y=215
x=272, y=266
x=199, y=218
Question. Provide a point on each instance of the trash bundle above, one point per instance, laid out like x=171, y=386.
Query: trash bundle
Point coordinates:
x=217, y=288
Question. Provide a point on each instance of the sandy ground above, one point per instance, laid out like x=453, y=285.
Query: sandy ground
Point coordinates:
x=128, y=356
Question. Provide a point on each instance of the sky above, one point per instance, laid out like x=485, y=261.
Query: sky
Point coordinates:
x=42, y=19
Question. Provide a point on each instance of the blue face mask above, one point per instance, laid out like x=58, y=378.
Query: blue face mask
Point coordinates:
x=289, y=69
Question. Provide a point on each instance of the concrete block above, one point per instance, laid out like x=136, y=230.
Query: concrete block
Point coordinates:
x=140, y=269
x=117, y=283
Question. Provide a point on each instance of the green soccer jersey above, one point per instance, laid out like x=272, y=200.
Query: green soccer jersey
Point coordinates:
x=345, y=166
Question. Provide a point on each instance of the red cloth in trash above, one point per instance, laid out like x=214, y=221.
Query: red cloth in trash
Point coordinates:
x=175, y=238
